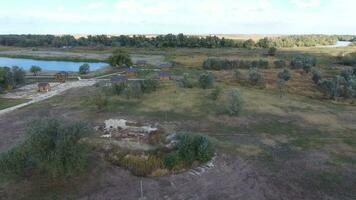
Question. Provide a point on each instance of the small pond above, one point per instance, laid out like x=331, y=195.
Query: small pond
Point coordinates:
x=49, y=65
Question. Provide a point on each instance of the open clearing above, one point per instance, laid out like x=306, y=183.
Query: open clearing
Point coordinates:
x=301, y=146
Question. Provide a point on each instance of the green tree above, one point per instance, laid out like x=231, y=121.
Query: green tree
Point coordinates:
x=84, y=69
x=120, y=58
x=35, y=70
x=18, y=75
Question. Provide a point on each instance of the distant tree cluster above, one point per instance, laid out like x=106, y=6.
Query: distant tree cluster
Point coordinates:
x=168, y=40
x=11, y=77
x=225, y=64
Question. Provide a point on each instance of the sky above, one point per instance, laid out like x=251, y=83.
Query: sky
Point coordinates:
x=177, y=16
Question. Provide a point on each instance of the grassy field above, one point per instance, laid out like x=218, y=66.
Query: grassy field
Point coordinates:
x=6, y=103
x=302, y=139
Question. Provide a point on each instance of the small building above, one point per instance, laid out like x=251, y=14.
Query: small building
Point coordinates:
x=118, y=79
x=141, y=63
x=131, y=72
x=164, y=76
x=43, y=87
x=61, y=76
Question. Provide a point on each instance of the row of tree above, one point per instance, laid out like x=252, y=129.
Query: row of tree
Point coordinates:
x=168, y=40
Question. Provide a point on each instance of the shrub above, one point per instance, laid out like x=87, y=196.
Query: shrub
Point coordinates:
x=52, y=147
x=272, y=51
x=284, y=75
x=84, y=69
x=187, y=82
x=214, y=95
x=307, y=68
x=15, y=163
x=280, y=63
x=237, y=74
x=119, y=88
x=255, y=77
x=206, y=80
x=100, y=101
x=316, y=76
x=133, y=90
x=194, y=148
x=190, y=148
x=231, y=103
x=303, y=62
x=171, y=160
x=149, y=85
x=55, y=146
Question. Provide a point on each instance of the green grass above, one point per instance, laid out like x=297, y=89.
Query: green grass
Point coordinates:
x=6, y=103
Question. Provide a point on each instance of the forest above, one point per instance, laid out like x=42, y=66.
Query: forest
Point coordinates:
x=169, y=40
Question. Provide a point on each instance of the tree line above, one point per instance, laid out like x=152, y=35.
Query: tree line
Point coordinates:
x=168, y=40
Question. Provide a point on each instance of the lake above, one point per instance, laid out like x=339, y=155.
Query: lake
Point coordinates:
x=338, y=44
x=49, y=65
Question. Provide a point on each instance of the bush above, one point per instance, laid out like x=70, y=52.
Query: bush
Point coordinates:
x=120, y=58
x=171, y=160
x=231, y=103
x=187, y=82
x=15, y=164
x=194, y=148
x=149, y=85
x=303, y=62
x=214, y=95
x=284, y=75
x=84, y=69
x=133, y=90
x=119, y=88
x=272, y=51
x=55, y=146
x=52, y=147
x=237, y=75
x=100, y=101
x=316, y=76
x=206, y=80
x=255, y=77
x=280, y=63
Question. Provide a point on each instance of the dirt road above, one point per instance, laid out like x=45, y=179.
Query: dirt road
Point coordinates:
x=30, y=92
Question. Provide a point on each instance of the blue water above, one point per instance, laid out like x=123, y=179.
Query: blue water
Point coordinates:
x=48, y=65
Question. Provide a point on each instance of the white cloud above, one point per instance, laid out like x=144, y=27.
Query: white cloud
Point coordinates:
x=306, y=3
x=95, y=5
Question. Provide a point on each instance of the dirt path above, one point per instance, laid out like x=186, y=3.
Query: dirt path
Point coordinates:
x=30, y=92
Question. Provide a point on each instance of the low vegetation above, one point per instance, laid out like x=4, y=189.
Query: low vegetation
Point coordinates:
x=52, y=147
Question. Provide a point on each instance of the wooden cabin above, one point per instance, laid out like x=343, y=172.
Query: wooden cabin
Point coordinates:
x=44, y=87
x=131, y=72
x=164, y=76
x=61, y=76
